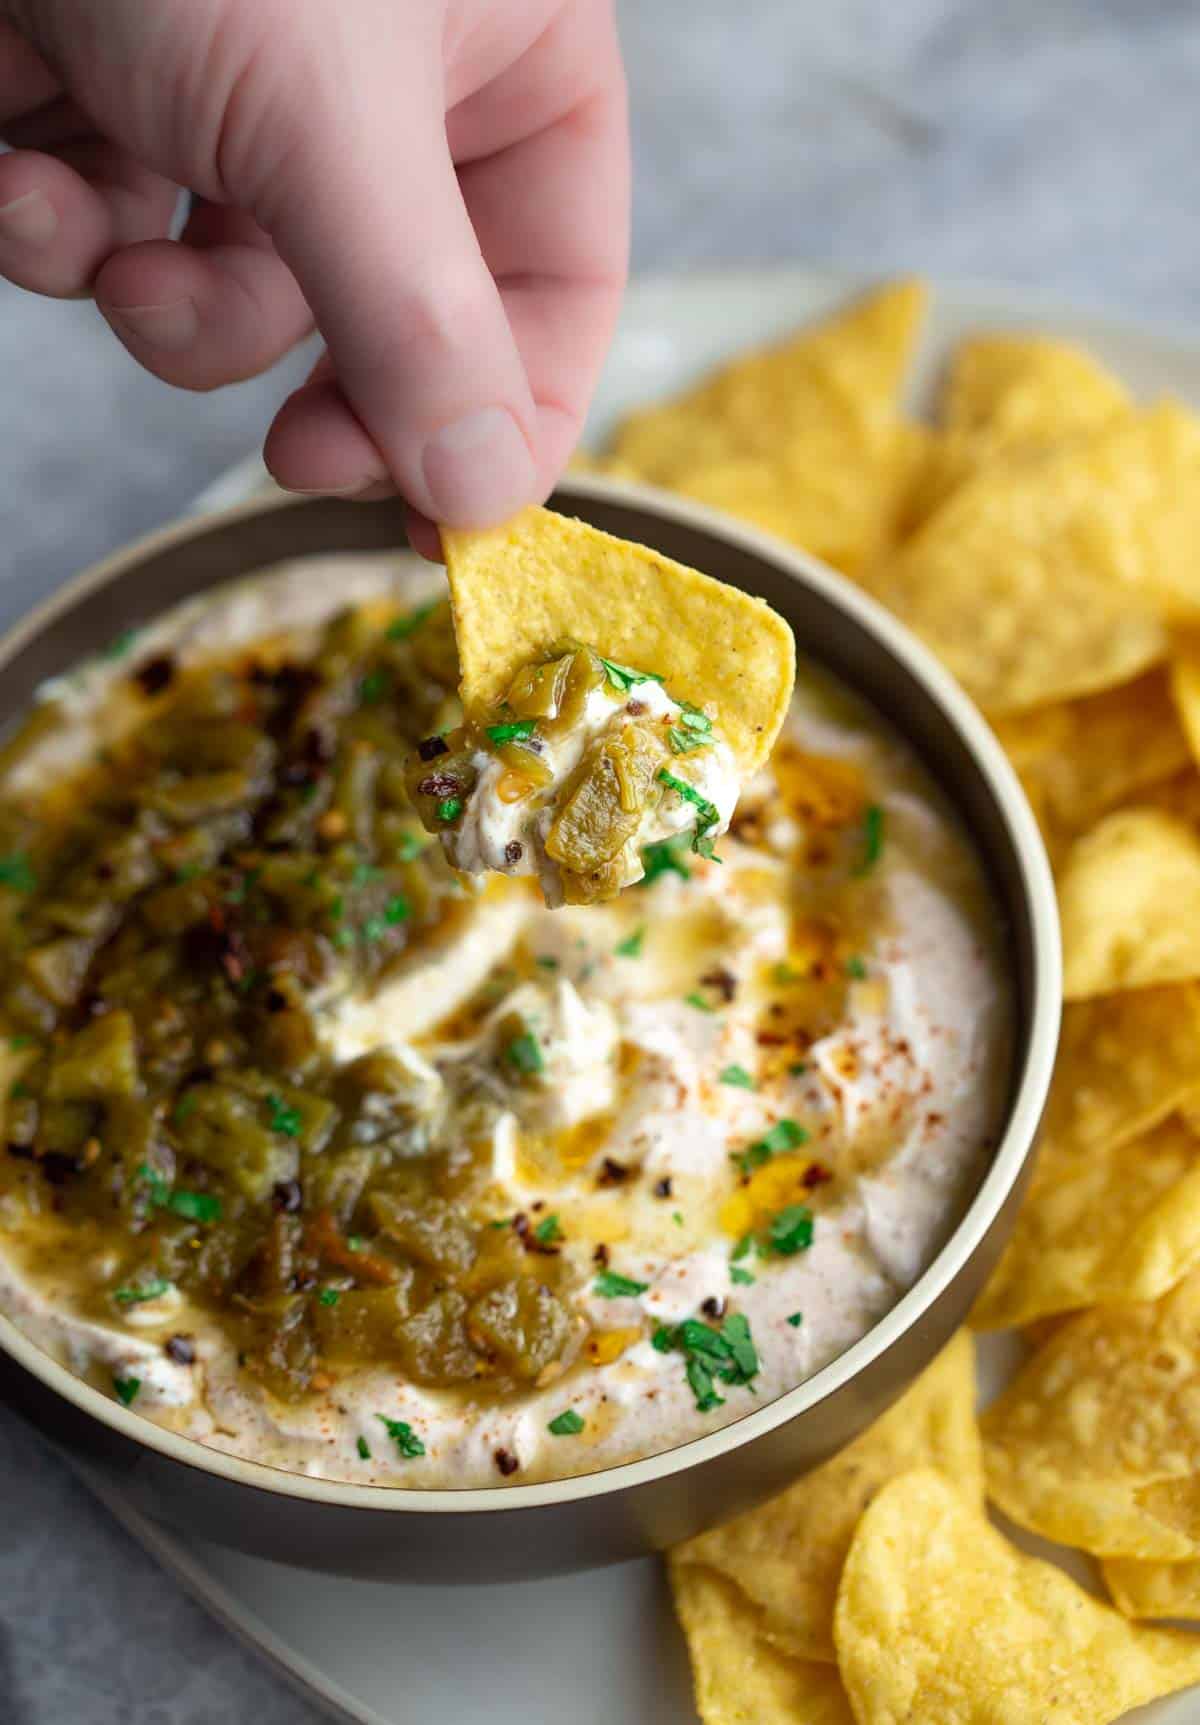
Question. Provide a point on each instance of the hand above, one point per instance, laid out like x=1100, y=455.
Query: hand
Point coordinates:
x=440, y=187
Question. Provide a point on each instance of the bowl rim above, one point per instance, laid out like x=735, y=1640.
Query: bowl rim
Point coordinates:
x=1016, y=1142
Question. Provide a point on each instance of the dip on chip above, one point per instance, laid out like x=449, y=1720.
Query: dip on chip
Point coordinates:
x=1096, y=1442
x=940, y=1619
x=787, y=1555
x=614, y=699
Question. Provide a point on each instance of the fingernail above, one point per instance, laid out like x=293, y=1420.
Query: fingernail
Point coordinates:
x=172, y=327
x=365, y=490
x=31, y=220
x=478, y=468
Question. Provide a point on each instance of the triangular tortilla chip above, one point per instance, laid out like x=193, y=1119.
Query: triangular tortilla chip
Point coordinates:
x=516, y=590
x=787, y=1555
x=1129, y=901
x=1153, y=1589
x=739, y=1678
x=940, y=1619
x=1117, y=1222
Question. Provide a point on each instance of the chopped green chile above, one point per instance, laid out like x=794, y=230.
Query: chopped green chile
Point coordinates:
x=184, y=909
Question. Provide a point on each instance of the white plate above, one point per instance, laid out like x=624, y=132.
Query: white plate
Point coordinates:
x=600, y=1648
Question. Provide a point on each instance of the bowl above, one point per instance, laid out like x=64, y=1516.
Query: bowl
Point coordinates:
x=524, y=1531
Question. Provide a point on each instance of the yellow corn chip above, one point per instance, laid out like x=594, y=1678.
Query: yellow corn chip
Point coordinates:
x=1013, y=394
x=1118, y=1222
x=1037, y=581
x=804, y=438
x=1179, y=796
x=1153, y=1589
x=787, y=1555
x=1125, y=1061
x=1096, y=1442
x=940, y=1621
x=517, y=590
x=1079, y=759
x=739, y=1678
x=1129, y=901
x=1185, y=686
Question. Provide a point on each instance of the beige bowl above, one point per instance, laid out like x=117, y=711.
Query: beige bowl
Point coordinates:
x=522, y=1531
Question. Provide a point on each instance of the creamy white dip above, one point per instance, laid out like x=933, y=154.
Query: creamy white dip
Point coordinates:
x=653, y=1018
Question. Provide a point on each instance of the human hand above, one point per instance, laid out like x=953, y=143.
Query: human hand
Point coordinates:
x=440, y=187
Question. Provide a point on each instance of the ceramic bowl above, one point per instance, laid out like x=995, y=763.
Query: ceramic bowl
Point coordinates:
x=523, y=1531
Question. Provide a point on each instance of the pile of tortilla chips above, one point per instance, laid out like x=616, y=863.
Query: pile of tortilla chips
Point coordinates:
x=1043, y=536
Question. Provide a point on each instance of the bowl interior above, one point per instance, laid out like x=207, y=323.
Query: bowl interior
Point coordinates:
x=835, y=625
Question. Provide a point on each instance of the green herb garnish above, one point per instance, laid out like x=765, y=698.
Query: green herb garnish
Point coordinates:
x=856, y=968
x=151, y=1290
x=697, y=1000
x=738, y=1077
x=795, y=1319
x=566, y=1424
x=791, y=1231
x=373, y=687
x=17, y=1043
x=512, y=732
x=404, y=1437
x=684, y=742
x=20, y=1091
x=127, y=1389
x=784, y=1135
x=663, y=857
x=708, y=814
x=742, y=1249
x=545, y=962
x=632, y=945
x=397, y=909
x=623, y=678
x=873, y=830
x=449, y=809
x=610, y=1286
x=328, y=1297
x=403, y=627
x=728, y=1354
x=742, y=1277
x=192, y=1206
x=798, y=1068
x=16, y=873
x=524, y=1053
x=409, y=846
x=548, y=1231
x=284, y=1120
x=119, y=645
x=363, y=1448
x=700, y=1382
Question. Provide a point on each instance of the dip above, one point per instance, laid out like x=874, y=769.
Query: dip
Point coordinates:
x=335, y=1160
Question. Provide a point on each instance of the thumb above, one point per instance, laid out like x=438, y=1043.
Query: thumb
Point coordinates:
x=371, y=221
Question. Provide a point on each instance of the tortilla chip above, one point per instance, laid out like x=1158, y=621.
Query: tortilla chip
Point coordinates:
x=1153, y=1589
x=1185, y=686
x=1079, y=759
x=1096, y=1442
x=940, y=1619
x=804, y=438
x=1013, y=394
x=1129, y=902
x=1179, y=796
x=787, y=1555
x=739, y=1678
x=1037, y=581
x=1119, y=1222
x=516, y=590
x=1125, y=1062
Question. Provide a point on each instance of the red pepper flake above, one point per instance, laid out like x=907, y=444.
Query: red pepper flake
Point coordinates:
x=723, y=981
x=153, y=677
x=507, y=1463
x=600, y=1256
x=816, y=1174
x=613, y=1173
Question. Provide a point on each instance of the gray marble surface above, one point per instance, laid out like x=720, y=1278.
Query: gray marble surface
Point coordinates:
x=1045, y=142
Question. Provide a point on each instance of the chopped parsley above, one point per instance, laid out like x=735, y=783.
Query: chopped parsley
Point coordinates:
x=16, y=873
x=694, y=730
x=127, y=1389
x=795, y=1319
x=873, y=831
x=404, y=1437
x=727, y=1355
x=548, y=1231
x=742, y=1277
x=856, y=968
x=683, y=742
x=192, y=1206
x=364, y=873
x=738, y=1077
x=403, y=627
x=524, y=1053
x=632, y=945
x=707, y=814
x=663, y=857
x=449, y=809
x=148, y=1290
x=742, y=1249
x=513, y=731
x=17, y=1043
x=328, y=1297
x=623, y=678
x=373, y=687
x=798, y=1068
x=566, y=1424
x=397, y=909
x=363, y=1448
x=545, y=962
x=284, y=1120
x=783, y=1136
x=20, y=1091
x=119, y=645
x=791, y=1231
x=409, y=846
x=677, y=1218
x=696, y=999
x=610, y=1286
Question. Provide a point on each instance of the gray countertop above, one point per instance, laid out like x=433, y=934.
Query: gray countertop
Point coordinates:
x=1044, y=142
